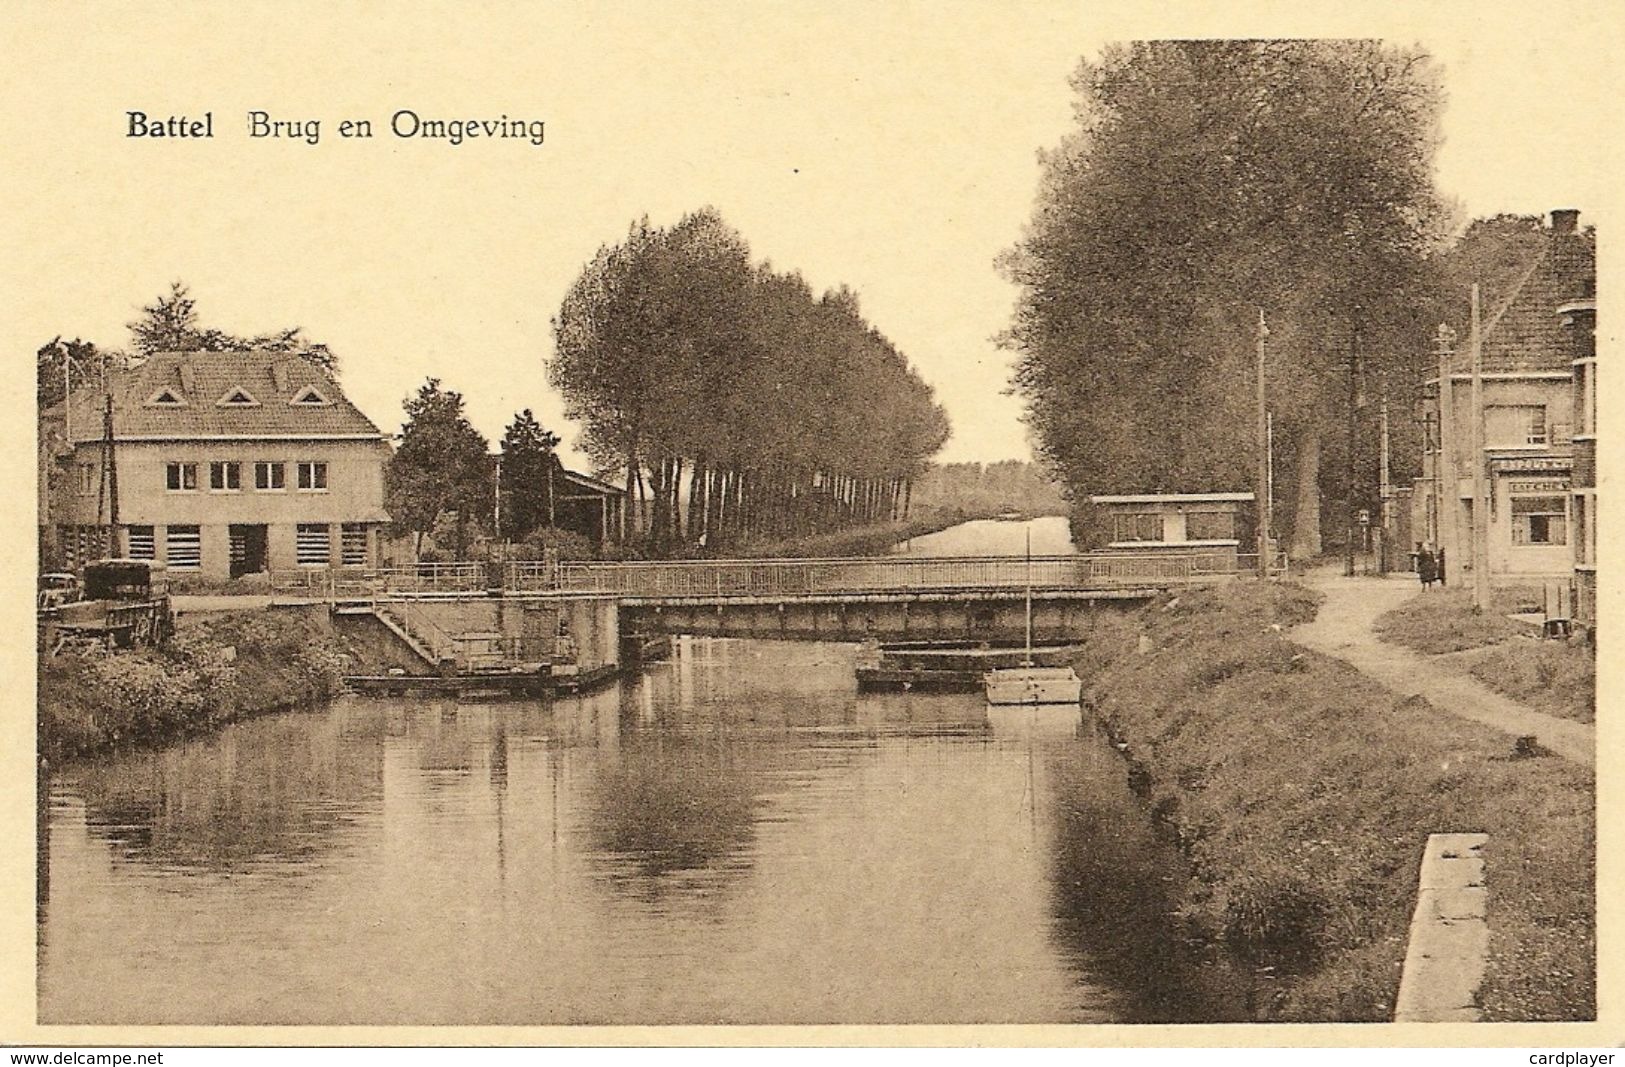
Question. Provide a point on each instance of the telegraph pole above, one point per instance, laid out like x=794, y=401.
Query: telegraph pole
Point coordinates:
x=1445, y=480
x=1354, y=402
x=1263, y=505
x=1481, y=503
x=1384, y=490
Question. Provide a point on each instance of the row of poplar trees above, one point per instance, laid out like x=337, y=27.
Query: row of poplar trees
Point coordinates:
x=1206, y=182
x=739, y=405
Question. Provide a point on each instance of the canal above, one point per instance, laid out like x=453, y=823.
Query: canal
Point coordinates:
x=737, y=836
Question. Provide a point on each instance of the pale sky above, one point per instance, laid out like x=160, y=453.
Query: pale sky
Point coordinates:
x=888, y=146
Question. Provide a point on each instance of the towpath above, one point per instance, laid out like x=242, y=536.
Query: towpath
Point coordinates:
x=1344, y=629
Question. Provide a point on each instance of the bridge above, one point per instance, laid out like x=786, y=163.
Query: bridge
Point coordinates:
x=886, y=598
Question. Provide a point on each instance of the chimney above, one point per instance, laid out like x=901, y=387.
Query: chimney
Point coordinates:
x=1565, y=220
x=187, y=380
x=279, y=376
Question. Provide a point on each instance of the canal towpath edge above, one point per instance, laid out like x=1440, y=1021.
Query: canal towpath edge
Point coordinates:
x=1345, y=629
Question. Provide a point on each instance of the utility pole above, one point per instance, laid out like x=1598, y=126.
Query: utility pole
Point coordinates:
x=1269, y=469
x=1262, y=498
x=1384, y=490
x=1354, y=402
x=1445, y=482
x=1481, y=503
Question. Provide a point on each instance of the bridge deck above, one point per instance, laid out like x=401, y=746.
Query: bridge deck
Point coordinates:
x=803, y=579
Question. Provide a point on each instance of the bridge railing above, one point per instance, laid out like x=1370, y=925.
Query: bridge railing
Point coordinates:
x=774, y=578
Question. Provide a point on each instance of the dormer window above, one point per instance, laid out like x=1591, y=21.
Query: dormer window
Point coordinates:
x=238, y=397
x=309, y=396
x=166, y=398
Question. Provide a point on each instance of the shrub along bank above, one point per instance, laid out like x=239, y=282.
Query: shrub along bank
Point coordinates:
x=1303, y=793
x=213, y=671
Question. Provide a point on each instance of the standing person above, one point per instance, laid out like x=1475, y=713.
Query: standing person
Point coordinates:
x=1426, y=566
x=1440, y=566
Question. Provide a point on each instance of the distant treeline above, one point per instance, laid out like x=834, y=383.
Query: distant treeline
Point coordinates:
x=736, y=404
x=978, y=489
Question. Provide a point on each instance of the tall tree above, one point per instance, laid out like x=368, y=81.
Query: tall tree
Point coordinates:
x=787, y=412
x=60, y=365
x=529, y=477
x=441, y=465
x=170, y=324
x=1204, y=181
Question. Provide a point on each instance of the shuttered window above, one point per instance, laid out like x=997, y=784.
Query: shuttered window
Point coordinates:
x=142, y=544
x=311, y=546
x=183, y=547
x=353, y=545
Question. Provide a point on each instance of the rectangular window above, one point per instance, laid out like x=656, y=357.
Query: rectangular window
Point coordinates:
x=183, y=547
x=180, y=477
x=1138, y=528
x=1514, y=425
x=270, y=475
x=311, y=547
x=225, y=476
x=87, y=479
x=353, y=544
x=141, y=544
x=313, y=476
x=1210, y=526
x=1540, y=520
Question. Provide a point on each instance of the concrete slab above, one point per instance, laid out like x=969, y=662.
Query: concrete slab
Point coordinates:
x=1449, y=939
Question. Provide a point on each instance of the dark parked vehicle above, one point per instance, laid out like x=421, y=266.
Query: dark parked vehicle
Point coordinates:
x=125, y=605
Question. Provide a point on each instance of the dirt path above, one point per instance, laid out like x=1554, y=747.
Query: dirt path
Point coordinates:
x=1343, y=629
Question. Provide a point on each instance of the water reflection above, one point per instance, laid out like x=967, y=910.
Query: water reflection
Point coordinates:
x=736, y=837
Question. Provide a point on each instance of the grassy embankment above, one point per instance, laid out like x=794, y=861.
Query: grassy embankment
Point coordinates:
x=1303, y=793
x=215, y=670
x=1555, y=677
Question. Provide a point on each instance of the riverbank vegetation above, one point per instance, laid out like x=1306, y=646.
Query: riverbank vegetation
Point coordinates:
x=741, y=406
x=1557, y=677
x=1304, y=793
x=214, y=671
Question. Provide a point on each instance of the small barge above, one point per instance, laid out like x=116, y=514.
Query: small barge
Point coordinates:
x=948, y=668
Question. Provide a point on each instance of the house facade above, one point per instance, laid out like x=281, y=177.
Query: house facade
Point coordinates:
x=223, y=464
x=1523, y=442
x=1579, y=317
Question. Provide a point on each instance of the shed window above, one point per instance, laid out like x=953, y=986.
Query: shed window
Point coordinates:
x=311, y=546
x=1539, y=520
x=1210, y=526
x=183, y=548
x=1138, y=527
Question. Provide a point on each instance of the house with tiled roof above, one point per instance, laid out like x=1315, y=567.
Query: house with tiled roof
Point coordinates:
x=1523, y=438
x=223, y=464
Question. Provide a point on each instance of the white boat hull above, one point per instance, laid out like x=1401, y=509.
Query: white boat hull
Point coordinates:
x=1033, y=686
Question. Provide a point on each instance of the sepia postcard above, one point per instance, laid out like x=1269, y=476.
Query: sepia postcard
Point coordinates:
x=885, y=523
